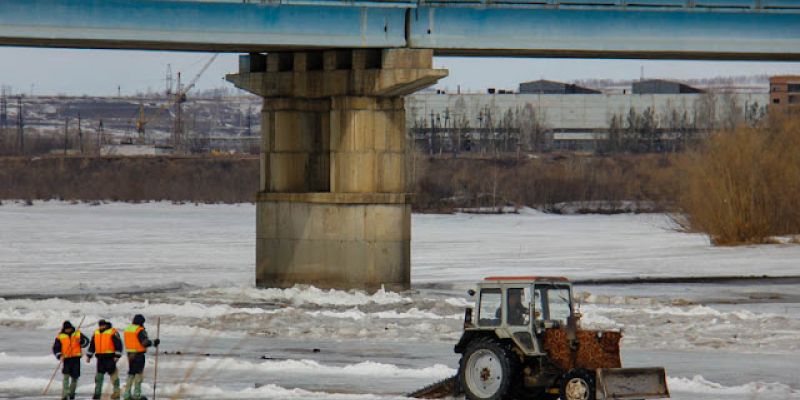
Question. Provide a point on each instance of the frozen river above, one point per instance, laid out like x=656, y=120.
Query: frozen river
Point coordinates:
x=192, y=266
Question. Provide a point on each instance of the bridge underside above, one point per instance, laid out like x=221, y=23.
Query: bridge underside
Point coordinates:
x=674, y=29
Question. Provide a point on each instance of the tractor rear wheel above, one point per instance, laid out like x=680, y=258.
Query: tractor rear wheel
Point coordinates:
x=578, y=384
x=488, y=370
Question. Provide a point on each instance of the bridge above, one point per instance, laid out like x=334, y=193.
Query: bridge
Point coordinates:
x=333, y=207
x=689, y=29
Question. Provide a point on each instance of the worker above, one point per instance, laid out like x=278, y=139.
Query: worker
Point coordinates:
x=136, y=344
x=108, y=347
x=67, y=348
x=518, y=314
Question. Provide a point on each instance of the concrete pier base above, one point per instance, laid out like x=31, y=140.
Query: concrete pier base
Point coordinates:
x=333, y=209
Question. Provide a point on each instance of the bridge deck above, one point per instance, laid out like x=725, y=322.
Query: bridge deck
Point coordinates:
x=692, y=29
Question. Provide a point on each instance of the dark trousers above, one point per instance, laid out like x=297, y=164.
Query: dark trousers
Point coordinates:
x=72, y=367
x=135, y=363
x=106, y=364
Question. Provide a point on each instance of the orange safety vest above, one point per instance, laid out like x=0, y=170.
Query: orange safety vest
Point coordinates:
x=132, y=343
x=70, y=344
x=102, y=341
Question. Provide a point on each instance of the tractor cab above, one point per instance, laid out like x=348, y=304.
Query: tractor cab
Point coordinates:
x=522, y=308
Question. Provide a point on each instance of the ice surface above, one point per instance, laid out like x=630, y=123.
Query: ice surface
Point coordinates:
x=314, y=368
x=32, y=387
x=192, y=267
x=152, y=246
x=579, y=247
x=697, y=385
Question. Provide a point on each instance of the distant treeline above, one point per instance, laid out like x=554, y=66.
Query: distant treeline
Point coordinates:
x=441, y=184
x=196, y=179
x=551, y=182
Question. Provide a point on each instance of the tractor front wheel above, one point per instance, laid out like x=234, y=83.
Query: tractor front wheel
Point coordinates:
x=578, y=384
x=487, y=370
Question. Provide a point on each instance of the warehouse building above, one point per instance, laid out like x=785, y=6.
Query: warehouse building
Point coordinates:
x=483, y=122
x=660, y=86
x=551, y=87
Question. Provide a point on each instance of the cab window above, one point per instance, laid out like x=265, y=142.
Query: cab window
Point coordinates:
x=538, y=303
x=517, y=310
x=552, y=303
x=491, y=311
x=558, y=299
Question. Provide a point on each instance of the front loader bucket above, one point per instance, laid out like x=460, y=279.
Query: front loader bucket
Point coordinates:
x=632, y=383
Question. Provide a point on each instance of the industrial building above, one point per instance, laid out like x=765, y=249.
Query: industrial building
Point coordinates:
x=784, y=92
x=661, y=86
x=500, y=122
x=551, y=87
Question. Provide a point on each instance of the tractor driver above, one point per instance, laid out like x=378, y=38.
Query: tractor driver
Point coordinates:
x=517, y=312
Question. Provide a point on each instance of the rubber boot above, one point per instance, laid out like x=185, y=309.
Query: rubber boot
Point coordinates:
x=128, y=386
x=98, y=386
x=137, y=387
x=72, y=387
x=115, y=381
x=65, y=388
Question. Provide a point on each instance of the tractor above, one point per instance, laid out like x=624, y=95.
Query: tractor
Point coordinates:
x=523, y=340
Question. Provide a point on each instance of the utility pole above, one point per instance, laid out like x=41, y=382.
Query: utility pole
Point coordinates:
x=100, y=134
x=249, y=121
x=3, y=110
x=430, y=137
x=20, y=125
x=440, y=136
x=80, y=135
x=3, y=113
x=66, y=134
x=168, y=90
x=178, y=127
x=480, y=131
x=457, y=125
x=446, y=131
x=490, y=126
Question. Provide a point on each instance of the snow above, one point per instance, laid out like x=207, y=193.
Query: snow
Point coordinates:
x=299, y=296
x=192, y=267
x=314, y=368
x=31, y=386
x=213, y=245
x=117, y=248
x=579, y=247
x=752, y=390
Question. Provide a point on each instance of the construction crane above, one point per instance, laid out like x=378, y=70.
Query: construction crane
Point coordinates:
x=179, y=97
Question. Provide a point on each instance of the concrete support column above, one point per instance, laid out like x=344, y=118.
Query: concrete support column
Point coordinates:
x=295, y=146
x=333, y=210
x=368, y=146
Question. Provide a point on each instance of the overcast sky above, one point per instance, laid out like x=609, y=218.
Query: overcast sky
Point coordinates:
x=100, y=72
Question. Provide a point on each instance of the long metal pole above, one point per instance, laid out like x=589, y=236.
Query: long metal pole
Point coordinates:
x=155, y=368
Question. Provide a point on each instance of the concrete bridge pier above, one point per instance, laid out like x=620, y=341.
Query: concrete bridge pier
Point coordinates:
x=333, y=208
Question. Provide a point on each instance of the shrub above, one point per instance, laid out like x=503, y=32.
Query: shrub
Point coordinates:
x=743, y=185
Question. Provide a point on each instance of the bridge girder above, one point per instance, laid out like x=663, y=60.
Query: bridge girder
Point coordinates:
x=733, y=29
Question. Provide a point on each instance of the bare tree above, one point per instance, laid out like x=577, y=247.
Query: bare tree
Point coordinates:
x=705, y=112
x=532, y=128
